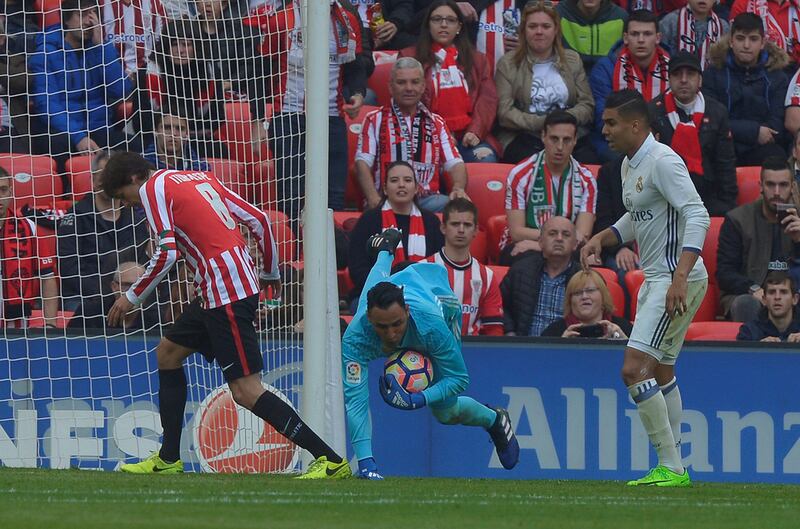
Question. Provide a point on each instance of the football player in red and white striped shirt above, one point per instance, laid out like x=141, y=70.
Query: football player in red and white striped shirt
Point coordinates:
x=474, y=284
x=191, y=212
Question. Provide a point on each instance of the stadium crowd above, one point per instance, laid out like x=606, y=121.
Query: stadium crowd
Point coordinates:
x=475, y=127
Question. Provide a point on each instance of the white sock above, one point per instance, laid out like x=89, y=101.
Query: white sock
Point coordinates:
x=672, y=396
x=653, y=413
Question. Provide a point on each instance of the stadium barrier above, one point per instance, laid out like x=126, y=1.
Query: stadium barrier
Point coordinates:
x=62, y=408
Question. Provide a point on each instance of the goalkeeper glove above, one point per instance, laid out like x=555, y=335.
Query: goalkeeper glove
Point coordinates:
x=396, y=396
x=367, y=469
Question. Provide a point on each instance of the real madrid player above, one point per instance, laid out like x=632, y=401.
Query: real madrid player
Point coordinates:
x=414, y=309
x=668, y=221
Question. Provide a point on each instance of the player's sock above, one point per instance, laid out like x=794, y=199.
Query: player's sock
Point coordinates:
x=653, y=413
x=379, y=272
x=171, y=405
x=286, y=422
x=672, y=396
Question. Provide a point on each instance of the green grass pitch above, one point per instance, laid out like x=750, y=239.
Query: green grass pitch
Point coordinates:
x=54, y=499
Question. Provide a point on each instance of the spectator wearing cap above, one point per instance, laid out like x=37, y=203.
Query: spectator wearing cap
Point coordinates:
x=777, y=322
x=757, y=238
x=697, y=128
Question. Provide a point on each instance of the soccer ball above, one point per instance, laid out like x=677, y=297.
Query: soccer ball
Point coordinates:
x=413, y=371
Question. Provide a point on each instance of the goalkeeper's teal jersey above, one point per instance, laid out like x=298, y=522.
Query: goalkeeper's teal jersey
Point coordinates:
x=434, y=329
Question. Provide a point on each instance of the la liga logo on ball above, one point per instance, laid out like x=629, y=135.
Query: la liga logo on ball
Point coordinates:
x=413, y=371
x=230, y=439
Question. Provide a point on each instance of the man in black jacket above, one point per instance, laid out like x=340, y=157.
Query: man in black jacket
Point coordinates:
x=777, y=322
x=697, y=128
x=753, y=240
x=96, y=226
x=533, y=290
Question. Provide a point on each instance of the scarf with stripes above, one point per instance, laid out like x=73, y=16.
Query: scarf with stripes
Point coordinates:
x=549, y=197
x=687, y=39
x=686, y=138
x=418, y=143
x=416, y=233
x=651, y=83
x=450, y=89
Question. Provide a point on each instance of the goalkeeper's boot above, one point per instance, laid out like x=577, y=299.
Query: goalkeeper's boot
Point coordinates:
x=661, y=476
x=386, y=241
x=153, y=465
x=321, y=468
x=504, y=440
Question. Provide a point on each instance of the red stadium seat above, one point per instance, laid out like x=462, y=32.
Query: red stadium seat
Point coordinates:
x=236, y=133
x=495, y=228
x=500, y=272
x=486, y=187
x=378, y=82
x=709, y=252
x=346, y=220
x=633, y=281
x=353, y=195
x=285, y=239
x=48, y=12
x=480, y=246
x=718, y=331
x=749, y=191
x=595, y=169
x=709, y=307
x=618, y=297
x=79, y=169
x=35, y=182
x=608, y=275
x=749, y=181
x=36, y=319
x=344, y=282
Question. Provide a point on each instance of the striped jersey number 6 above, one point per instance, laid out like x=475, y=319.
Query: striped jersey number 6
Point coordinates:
x=212, y=197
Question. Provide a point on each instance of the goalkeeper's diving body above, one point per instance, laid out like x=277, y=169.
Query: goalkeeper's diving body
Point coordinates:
x=192, y=212
x=413, y=309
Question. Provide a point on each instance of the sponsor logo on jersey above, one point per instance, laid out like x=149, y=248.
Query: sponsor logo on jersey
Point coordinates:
x=352, y=373
x=229, y=438
x=642, y=215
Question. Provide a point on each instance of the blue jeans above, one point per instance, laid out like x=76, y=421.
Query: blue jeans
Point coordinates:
x=468, y=153
x=288, y=144
x=435, y=202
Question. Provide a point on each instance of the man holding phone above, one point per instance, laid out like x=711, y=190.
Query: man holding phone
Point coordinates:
x=757, y=238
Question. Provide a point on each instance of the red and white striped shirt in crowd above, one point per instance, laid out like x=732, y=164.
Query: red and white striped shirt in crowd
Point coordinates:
x=793, y=92
x=429, y=147
x=192, y=212
x=133, y=26
x=499, y=19
x=478, y=289
x=582, y=184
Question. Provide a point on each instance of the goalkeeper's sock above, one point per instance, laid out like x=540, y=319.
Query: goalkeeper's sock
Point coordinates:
x=171, y=405
x=286, y=422
x=653, y=413
x=672, y=396
x=468, y=412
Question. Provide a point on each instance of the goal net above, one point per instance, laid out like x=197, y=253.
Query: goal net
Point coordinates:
x=190, y=85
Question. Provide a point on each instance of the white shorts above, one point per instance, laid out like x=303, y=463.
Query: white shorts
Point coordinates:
x=654, y=332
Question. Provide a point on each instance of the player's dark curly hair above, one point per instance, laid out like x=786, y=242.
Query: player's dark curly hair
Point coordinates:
x=120, y=170
x=384, y=295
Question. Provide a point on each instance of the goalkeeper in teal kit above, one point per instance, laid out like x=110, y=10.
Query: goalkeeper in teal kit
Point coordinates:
x=414, y=309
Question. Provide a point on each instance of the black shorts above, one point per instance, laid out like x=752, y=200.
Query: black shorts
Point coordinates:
x=227, y=334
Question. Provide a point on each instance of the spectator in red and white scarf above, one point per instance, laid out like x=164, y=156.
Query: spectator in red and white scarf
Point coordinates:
x=538, y=77
x=781, y=19
x=407, y=130
x=693, y=28
x=399, y=209
x=638, y=63
x=697, y=128
x=458, y=84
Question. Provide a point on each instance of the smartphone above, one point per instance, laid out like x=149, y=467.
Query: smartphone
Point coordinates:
x=783, y=210
x=591, y=331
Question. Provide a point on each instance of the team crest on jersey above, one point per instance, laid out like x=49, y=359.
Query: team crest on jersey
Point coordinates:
x=639, y=184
